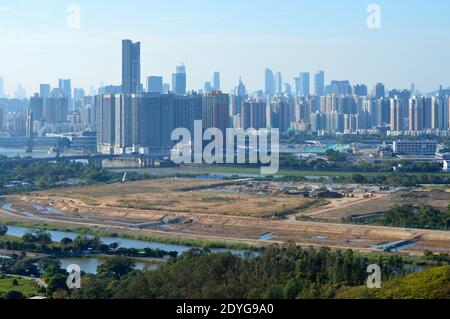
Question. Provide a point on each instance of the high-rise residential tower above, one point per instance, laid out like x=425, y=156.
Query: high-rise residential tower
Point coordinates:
x=131, y=67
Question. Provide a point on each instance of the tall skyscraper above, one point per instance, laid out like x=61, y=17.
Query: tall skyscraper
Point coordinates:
x=155, y=84
x=319, y=83
x=216, y=81
x=44, y=90
x=379, y=91
x=179, y=80
x=278, y=83
x=2, y=88
x=131, y=67
x=269, y=82
x=65, y=88
x=302, y=84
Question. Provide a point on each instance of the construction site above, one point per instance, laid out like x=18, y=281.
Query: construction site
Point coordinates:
x=241, y=210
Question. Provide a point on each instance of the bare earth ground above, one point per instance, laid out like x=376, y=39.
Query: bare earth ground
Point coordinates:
x=185, y=208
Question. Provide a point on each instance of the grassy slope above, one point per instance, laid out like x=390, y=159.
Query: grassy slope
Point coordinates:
x=429, y=284
x=27, y=287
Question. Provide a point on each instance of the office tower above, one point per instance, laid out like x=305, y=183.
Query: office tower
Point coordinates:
x=37, y=106
x=413, y=89
x=269, y=83
x=398, y=114
x=179, y=80
x=65, y=88
x=155, y=84
x=302, y=84
x=319, y=83
x=254, y=115
x=439, y=113
x=2, y=88
x=360, y=90
x=278, y=83
x=216, y=81
x=131, y=67
x=241, y=90
x=44, y=90
x=379, y=91
x=56, y=109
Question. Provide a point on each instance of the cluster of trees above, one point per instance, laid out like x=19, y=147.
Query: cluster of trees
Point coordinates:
x=17, y=265
x=279, y=272
x=410, y=216
x=47, y=175
x=41, y=242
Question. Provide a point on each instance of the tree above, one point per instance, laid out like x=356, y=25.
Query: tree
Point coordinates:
x=3, y=230
x=116, y=267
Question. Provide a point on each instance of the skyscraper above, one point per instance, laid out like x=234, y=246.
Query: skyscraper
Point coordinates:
x=216, y=81
x=269, y=82
x=155, y=84
x=44, y=90
x=379, y=91
x=65, y=88
x=319, y=83
x=131, y=67
x=278, y=83
x=302, y=84
x=179, y=80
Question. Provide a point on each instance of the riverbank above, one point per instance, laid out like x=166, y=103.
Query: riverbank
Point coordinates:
x=131, y=235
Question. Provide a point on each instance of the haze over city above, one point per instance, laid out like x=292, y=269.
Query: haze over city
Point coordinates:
x=233, y=37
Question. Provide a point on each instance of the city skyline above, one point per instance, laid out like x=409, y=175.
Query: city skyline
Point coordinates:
x=200, y=35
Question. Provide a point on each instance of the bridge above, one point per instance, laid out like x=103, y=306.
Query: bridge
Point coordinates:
x=94, y=160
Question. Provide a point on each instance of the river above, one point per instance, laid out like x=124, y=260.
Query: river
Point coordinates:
x=90, y=265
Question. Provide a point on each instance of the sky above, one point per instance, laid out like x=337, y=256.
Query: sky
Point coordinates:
x=43, y=40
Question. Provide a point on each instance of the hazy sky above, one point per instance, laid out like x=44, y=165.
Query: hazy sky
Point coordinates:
x=235, y=37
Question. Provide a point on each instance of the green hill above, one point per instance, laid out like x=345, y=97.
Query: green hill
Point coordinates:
x=429, y=284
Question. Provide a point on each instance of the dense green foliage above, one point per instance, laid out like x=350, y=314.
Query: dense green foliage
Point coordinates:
x=47, y=175
x=289, y=272
x=409, y=216
x=430, y=284
x=41, y=242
